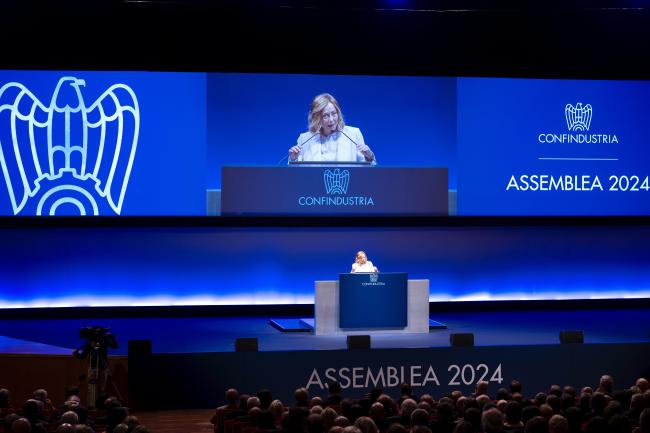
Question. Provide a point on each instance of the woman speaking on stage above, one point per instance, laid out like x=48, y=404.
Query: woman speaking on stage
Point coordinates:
x=329, y=139
x=362, y=264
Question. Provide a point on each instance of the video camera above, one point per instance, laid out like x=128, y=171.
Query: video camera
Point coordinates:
x=98, y=341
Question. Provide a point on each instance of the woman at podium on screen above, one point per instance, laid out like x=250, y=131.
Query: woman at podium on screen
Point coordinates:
x=329, y=139
x=362, y=264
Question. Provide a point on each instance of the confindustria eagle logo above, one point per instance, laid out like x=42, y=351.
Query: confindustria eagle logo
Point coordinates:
x=374, y=278
x=578, y=118
x=337, y=181
x=67, y=157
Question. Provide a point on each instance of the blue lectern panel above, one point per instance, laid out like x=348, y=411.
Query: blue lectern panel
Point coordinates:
x=334, y=190
x=373, y=300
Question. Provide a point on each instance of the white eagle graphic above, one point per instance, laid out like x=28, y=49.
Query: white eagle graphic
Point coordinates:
x=67, y=157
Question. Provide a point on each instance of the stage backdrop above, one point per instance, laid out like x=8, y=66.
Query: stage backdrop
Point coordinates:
x=150, y=143
x=212, y=266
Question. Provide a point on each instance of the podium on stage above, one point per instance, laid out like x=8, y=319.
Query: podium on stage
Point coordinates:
x=367, y=302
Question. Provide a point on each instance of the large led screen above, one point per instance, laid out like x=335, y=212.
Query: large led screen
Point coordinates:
x=211, y=144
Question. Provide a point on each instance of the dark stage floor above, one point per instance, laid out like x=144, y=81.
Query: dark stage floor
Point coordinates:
x=217, y=334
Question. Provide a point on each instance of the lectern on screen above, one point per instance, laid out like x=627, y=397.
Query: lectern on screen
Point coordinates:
x=325, y=163
x=373, y=300
x=334, y=189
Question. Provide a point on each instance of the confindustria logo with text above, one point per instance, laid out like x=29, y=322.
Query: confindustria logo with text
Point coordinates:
x=373, y=280
x=67, y=157
x=336, y=190
x=578, y=120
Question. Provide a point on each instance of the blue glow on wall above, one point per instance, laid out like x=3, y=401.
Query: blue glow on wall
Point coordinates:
x=213, y=266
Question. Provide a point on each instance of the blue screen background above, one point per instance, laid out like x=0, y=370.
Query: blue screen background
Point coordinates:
x=167, y=176
x=253, y=119
x=499, y=121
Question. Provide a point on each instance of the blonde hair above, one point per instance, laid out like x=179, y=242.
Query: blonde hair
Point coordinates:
x=316, y=108
x=356, y=256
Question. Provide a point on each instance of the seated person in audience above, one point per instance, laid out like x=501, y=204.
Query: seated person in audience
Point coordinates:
x=515, y=386
x=265, y=421
x=265, y=397
x=568, y=389
x=528, y=413
x=32, y=412
x=596, y=424
x=69, y=417
x=21, y=425
x=619, y=423
x=404, y=415
x=316, y=401
x=8, y=421
x=644, y=421
x=4, y=398
x=503, y=394
x=606, y=384
x=253, y=416
x=444, y=422
x=472, y=415
x=405, y=388
x=637, y=404
x=397, y=428
x=558, y=424
x=537, y=424
x=333, y=394
x=252, y=402
x=121, y=428
x=389, y=405
x=243, y=408
x=492, y=421
x=316, y=409
x=555, y=402
x=115, y=413
x=512, y=413
x=643, y=384
x=351, y=429
x=41, y=395
x=574, y=417
x=597, y=405
x=555, y=390
x=232, y=400
x=302, y=397
x=341, y=421
x=314, y=423
x=378, y=415
x=329, y=415
x=67, y=428
x=277, y=409
x=366, y=425
x=419, y=417
x=481, y=388
x=546, y=410
x=296, y=419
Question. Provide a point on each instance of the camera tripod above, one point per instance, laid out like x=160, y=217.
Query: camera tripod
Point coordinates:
x=99, y=373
